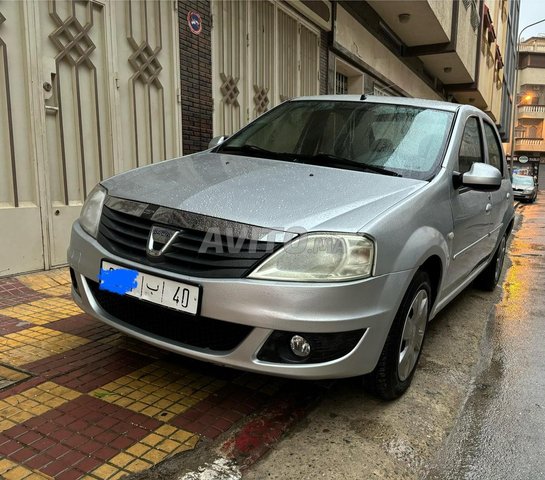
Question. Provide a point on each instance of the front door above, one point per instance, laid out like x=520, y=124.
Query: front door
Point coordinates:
x=471, y=211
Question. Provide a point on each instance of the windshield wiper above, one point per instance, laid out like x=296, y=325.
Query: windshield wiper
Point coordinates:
x=327, y=159
x=252, y=150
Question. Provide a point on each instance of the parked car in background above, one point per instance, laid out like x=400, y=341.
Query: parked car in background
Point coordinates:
x=317, y=242
x=524, y=188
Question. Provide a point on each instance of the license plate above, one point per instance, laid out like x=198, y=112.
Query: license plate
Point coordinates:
x=161, y=291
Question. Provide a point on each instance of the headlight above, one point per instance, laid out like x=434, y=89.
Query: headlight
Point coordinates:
x=320, y=257
x=528, y=190
x=89, y=218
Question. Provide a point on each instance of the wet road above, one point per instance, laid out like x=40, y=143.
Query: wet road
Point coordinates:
x=501, y=432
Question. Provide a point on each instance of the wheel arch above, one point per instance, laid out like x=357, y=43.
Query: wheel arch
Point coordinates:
x=433, y=266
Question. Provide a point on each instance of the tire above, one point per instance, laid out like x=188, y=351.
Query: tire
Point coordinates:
x=490, y=276
x=397, y=363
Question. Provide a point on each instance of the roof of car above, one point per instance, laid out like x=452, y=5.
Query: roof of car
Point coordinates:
x=413, y=102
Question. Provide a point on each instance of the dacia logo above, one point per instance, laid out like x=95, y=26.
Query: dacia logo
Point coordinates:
x=159, y=240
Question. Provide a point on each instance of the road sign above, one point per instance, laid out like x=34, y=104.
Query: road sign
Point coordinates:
x=195, y=22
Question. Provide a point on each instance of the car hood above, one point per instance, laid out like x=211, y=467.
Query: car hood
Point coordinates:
x=520, y=186
x=267, y=193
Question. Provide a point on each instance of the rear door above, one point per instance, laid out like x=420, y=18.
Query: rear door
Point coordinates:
x=500, y=199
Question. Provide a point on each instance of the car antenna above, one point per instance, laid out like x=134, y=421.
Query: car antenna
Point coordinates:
x=363, y=97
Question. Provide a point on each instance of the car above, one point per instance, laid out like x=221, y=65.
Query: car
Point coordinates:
x=317, y=242
x=524, y=188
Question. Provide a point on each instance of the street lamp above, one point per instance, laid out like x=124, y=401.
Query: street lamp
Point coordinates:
x=515, y=105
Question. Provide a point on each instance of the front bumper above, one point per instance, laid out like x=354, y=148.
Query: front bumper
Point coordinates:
x=265, y=306
x=523, y=195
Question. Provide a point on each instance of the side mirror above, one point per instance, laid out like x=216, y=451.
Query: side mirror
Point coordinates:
x=482, y=176
x=217, y=140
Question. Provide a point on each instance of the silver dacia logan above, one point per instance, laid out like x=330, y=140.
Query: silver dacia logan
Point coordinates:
x=317, y=242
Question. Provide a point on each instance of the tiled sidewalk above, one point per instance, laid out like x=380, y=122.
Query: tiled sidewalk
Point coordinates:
x=80, y=400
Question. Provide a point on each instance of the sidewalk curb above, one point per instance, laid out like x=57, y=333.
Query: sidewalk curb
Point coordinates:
x=257, y=436
x=229, y=456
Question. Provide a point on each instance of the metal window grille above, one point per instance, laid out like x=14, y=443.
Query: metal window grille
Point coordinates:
x=475, y=18
x=341, y=84
x=380, y=92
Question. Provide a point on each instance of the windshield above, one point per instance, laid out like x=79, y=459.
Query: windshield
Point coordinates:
x=523, y=180
x=385, y=139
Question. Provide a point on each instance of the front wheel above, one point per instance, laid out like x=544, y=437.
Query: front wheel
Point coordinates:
x=397, y=363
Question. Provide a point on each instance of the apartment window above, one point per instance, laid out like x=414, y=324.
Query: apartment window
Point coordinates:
x=348, y=79
x=341, y=84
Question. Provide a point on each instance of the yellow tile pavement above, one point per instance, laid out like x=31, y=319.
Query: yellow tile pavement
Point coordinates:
x=13, y=471
x=35, y=401
x=159, y=390
x=43, y=280
x=155, y=447
x=42, y=312
x=35, y=344
x=12, y=375
x=57, y=291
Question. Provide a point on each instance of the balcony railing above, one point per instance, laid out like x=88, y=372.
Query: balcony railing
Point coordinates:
x=529, y=145
x=532, y=48
x=532, y=108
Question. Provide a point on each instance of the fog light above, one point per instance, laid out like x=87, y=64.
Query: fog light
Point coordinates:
x=299, y=346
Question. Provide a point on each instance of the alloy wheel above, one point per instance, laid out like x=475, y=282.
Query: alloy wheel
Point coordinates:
x=413, y=334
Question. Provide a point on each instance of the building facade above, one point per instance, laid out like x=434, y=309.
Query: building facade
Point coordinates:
x=530, y=111
x=108, y=85
x=264, y=52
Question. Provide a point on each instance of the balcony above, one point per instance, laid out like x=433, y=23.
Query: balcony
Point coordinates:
x=529, y=145
x=416, y=23
x=442, y=34
x=531, y=111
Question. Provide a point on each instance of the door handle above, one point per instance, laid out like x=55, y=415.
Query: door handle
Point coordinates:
x=488, y=208
x=508, y=195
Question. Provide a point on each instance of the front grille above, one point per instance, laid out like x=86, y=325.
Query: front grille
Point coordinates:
x=172, y=326
x=192, y=253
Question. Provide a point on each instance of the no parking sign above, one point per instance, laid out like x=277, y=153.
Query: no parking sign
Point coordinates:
x=195, y=22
